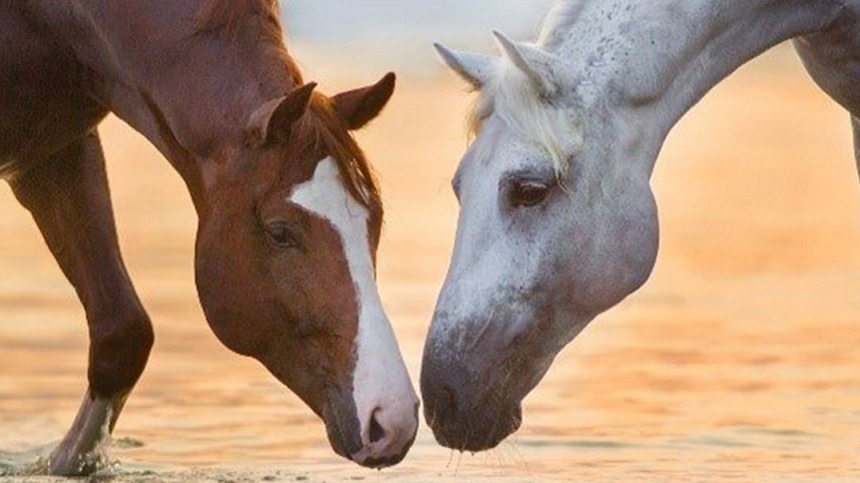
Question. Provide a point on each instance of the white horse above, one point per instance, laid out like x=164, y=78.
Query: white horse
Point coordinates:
x=558, y=222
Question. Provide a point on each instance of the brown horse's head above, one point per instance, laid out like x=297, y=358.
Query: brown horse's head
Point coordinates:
x=286, y=261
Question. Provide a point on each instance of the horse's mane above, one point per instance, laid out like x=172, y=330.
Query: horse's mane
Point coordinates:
x=562, y=15
x=323, y=129
x=225, y=15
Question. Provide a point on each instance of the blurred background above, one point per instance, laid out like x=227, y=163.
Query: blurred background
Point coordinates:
x=395, y=34
x=740, y=358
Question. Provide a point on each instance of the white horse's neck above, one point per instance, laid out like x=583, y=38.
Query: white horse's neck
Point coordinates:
x=660, y=57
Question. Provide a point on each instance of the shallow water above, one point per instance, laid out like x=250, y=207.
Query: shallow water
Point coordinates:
x=740, y=359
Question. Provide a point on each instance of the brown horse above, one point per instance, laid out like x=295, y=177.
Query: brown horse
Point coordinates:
x=289, y=213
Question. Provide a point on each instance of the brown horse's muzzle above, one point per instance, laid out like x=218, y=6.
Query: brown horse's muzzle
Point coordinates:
x=386, y=445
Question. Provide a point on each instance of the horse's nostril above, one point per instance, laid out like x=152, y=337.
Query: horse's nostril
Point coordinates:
x=376, y=431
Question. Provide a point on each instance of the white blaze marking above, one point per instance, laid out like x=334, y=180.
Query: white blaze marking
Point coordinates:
x=381, y=383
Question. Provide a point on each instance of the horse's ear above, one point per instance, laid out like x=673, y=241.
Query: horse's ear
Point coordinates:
x=476, y=69
x=536, y=64
x=360, y=106
x=273, y=119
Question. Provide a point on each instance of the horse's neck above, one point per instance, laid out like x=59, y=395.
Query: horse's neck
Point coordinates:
x=190, y=93
x=657, y=58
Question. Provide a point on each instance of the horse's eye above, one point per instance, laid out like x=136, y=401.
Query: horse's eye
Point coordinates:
x=528, y=193
x=279, y=234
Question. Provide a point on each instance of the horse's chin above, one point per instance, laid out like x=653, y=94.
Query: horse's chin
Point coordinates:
x=344, y=434
x=479, y=431
x=341, y=423
x=335, y=406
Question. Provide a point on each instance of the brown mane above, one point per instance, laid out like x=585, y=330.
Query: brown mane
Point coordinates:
x=226, y=15
x=322, y=129
x=249, y=23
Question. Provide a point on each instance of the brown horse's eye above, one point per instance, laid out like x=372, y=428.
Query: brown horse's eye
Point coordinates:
x=528, y=193
x=279, y=234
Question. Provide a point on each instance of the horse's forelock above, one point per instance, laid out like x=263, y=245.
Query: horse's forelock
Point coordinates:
x=322, y=129
x=512, y=97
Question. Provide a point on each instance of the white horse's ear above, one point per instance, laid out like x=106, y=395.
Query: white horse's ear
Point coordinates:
x=476, y=69
x=535, y=63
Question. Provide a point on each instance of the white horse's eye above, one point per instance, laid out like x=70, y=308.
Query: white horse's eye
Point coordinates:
x=528, y=193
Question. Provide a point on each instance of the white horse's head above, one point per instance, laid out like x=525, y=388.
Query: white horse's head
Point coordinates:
x=557, y=224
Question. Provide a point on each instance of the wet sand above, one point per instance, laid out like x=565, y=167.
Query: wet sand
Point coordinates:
x=739, y=359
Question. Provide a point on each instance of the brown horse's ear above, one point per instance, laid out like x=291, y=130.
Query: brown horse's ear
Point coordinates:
x=360, y=106
x=274, y=119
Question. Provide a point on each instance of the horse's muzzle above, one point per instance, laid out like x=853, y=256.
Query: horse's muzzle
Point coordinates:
x=390, y=435
x=464, y=414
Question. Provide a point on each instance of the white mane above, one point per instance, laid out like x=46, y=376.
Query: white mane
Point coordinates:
x=513, y=98
x=562, y=15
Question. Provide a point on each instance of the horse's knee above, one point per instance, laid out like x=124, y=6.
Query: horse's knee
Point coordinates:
x=119, y=350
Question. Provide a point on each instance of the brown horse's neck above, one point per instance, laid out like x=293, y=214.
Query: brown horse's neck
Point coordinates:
x=187, y=85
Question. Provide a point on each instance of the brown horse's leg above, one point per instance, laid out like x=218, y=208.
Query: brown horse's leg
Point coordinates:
x=69, y=199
